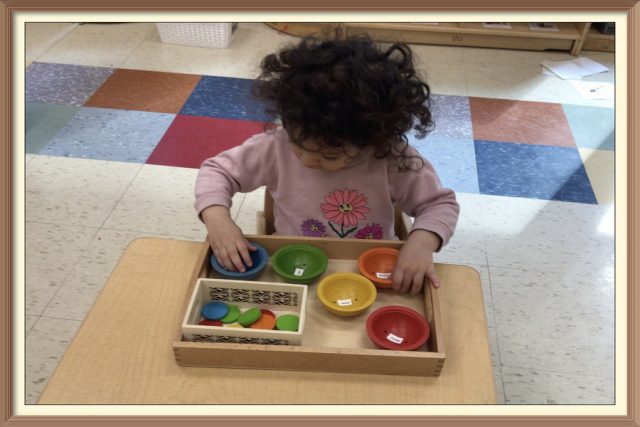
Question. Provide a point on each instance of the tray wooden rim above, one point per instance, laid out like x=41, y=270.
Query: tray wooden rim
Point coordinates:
x=336, y=249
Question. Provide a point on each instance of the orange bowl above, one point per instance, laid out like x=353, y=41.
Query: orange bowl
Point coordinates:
x=377, y=265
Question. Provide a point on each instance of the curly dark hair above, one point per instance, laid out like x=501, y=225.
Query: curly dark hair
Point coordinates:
x=347, y=91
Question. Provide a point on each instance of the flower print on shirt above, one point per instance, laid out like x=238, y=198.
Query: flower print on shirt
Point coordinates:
x=344, y=208
x=370, y=231
x=313, y=228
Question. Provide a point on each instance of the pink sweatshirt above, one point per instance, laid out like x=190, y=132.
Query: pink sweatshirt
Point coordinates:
x=356, y=201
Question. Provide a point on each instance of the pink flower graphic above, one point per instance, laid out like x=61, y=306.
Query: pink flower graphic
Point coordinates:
x=371, y=231
x=313, y=228
x=345, y=207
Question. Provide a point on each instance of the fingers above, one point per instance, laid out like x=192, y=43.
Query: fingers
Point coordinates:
x=243, y=249
x=250, y=246
x=237, y=258
x=397, y=279
x=413, y=282
x=230, y=261
x=223, y=259
x=418, y=282
x=405, y=281
x=433, y=278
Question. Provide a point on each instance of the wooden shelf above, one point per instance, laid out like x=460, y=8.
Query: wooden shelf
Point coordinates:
x=570, y=36
x=597, y=41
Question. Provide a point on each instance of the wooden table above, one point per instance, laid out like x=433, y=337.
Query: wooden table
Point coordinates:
x=123, y=352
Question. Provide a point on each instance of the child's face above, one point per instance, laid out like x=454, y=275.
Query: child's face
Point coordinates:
x=317, y=156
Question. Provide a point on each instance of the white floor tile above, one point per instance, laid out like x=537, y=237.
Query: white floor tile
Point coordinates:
x=555, y=319
x=41, y=36
x=525, y=233
x=545, y=387
x=99, y=45
x=514, y=74
x=246, y=218
x=78, y=293
x=72, y=191
x=600, y=167
x=501, y=73
x=442, y=68
x=52, y=251
x=45, y=346
x=159, y=200
x=467, y=246
x=29, y=322
x=250, y=42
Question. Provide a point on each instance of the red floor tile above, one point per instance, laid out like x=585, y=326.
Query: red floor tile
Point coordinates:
x=523, y=122
x=145, y=91
x=192, y=139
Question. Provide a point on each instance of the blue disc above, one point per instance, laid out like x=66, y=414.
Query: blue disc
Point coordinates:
x=215, y=310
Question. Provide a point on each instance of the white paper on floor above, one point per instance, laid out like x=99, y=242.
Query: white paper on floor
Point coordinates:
x=575, y=68
x=594, y=90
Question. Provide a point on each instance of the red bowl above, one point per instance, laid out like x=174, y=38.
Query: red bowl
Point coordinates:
x=397, y=328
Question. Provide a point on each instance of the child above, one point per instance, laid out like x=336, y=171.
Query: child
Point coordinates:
x=340, y=160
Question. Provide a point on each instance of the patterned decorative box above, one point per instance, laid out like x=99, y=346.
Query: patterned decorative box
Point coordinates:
x=280, y=298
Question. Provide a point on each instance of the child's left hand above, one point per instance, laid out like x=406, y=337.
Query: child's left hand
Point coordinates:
x=414, y=266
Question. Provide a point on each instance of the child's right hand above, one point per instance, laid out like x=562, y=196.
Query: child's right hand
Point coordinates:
x=229, y=245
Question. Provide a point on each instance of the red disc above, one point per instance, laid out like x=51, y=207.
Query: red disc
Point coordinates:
x=208, y=322
x=268, y=312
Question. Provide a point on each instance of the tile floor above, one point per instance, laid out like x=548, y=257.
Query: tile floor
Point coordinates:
x=109, y=109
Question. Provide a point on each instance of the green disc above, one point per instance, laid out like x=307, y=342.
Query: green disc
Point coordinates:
x=232, y=315
x=250, y=316
x=288, y=322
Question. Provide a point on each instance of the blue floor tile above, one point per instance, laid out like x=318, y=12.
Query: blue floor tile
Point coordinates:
x=592, y=127
x=225, y=97
x=453, y=159
x=43, y=121
x=533, y=171
x=106, y=134
x=63, y=84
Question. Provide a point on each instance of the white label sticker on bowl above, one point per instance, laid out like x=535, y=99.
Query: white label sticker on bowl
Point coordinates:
x=298, y=272
x=383, y=275
x=344, y=302
x=395, y=339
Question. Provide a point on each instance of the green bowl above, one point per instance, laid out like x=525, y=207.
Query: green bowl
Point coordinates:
x=299, y=263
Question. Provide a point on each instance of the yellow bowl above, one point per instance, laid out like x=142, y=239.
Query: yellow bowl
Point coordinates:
x=346, y=294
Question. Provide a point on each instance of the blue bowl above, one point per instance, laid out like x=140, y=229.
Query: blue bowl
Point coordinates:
x=259, y=259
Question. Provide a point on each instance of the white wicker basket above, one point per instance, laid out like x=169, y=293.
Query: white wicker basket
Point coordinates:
x=214, y=34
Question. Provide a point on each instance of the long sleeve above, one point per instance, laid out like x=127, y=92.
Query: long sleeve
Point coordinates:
x=240, y=169
x=421, y=195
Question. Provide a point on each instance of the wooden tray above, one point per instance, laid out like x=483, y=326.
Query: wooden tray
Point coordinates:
x=330, y=343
